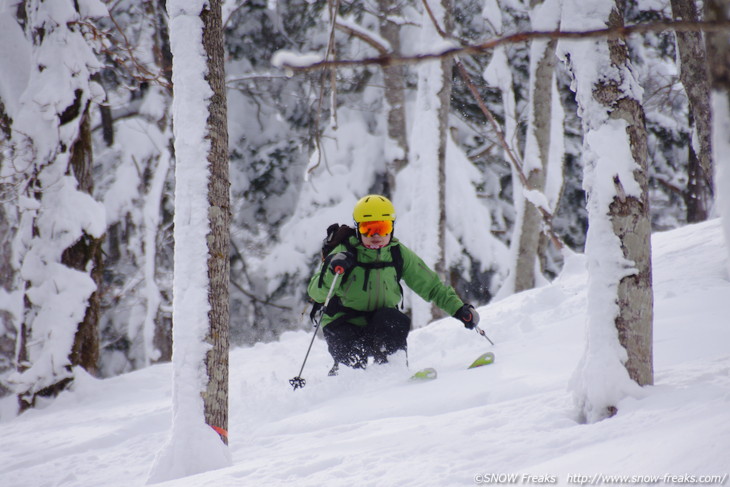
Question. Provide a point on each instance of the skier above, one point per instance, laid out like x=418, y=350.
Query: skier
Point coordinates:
x=362, y=319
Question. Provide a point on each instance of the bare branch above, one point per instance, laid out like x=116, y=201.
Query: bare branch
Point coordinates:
x=255, y=76
x=255, y=298
x=547, y=216
x=363, y=37
x=479, y=49
x=435, y=23
x=334, y=8
x=233, y=12
x=249, y=294
x=122, y=53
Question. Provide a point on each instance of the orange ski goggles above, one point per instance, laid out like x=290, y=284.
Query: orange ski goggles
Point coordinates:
x=381, y=228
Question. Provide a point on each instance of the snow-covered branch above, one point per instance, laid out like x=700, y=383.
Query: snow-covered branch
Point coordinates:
x=477, y=49
x=368, y=37
x=122, y=52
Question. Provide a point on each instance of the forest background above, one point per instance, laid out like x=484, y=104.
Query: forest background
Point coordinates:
x=87, y=201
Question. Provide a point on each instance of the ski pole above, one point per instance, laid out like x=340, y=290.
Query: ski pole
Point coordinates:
x=481, y=332
x=298, y=381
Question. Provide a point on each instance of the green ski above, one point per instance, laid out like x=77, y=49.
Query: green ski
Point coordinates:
x=430, y=373
x=484, y=359
x=425, y=374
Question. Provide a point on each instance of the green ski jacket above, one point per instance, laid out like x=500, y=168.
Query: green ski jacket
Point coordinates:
x=370, y=288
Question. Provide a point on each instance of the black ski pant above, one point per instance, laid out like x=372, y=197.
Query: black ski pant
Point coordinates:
x=385, y=333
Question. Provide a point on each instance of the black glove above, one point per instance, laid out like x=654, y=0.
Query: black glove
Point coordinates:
x=467, y=315
x=342, y=262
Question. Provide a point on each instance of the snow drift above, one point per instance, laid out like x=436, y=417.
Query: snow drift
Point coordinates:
x=514, y=419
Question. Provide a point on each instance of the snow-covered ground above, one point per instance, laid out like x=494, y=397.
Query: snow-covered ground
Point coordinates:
x=468, y=427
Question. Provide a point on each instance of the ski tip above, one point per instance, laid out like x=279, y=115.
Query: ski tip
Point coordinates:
x=425, y=374
x=484, y=359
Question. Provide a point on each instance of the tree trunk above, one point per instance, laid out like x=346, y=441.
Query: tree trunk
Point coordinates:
x=393, y=77
x=444, y=107
x=8, y=285
x=618, y=353
x=8, y=227
x=5, y=124
x=632, y=224
x=695, y=78
x=718, y=56
x=696, y=196
x=199, y=438
x=539, y=128
x=216, y=395
x=60, y=238
x=425, y=171
x=85, y=351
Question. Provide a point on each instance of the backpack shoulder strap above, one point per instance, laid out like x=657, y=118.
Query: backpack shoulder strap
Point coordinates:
x=398, y=264
x=397, y=261
x=336, y=234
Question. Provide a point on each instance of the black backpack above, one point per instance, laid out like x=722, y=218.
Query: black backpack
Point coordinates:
x=340, y=234
x=336, y=234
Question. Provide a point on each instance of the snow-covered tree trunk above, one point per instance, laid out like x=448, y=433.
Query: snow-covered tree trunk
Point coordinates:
x=157, y=328
x=134, y=158
x=618, y=353
x=85, y=255
x=499, y=75
x=420, y=200
x=528, y=224
x=444, y=108
x=694, y=76
x=396, y=149
x=202, y=214
x=718, y=56
x=11, y=300
x=10, y=297
x=57, y=244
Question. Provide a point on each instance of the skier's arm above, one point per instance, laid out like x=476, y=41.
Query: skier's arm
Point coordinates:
x=426, y=283
x=319, y=284
x=316, y=292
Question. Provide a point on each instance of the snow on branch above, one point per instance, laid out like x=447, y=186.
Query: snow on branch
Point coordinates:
x=534, y=196
x=477, y=49
x=118, y=48
x=296, y=61
x=373, y=39
x=303, y=63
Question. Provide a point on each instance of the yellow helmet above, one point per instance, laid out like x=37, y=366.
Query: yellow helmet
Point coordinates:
x=373, y=208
